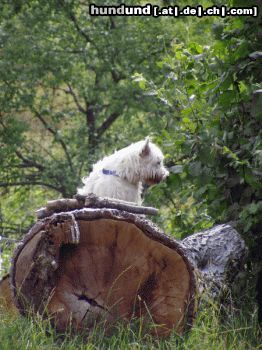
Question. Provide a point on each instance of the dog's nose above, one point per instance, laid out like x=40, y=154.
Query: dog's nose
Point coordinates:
x=166, y=173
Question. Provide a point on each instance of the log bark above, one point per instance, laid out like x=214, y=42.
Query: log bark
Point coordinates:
x=91, y=201
x=217, y=254
x=95, y=266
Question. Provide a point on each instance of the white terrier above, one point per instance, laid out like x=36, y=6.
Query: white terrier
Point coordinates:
x=121, y=175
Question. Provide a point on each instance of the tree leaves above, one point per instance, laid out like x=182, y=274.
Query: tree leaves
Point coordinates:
x=74, y=89
x=216, y=131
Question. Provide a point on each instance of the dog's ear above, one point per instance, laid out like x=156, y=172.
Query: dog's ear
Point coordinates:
x=146, y=148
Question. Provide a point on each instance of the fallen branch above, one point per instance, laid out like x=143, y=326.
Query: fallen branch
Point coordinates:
x=91, y=201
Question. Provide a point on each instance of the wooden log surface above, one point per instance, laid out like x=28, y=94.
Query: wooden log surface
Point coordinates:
x=122, y=267
x=91, y=265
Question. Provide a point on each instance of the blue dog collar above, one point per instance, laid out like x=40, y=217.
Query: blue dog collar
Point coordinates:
x=109, y=172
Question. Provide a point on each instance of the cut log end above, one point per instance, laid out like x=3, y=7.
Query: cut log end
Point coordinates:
x=122, y=268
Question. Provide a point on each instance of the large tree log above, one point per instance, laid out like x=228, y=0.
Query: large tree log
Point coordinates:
x=91, y=265
x=120, y=267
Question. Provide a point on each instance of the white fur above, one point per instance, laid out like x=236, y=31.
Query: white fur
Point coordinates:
x=141, y=162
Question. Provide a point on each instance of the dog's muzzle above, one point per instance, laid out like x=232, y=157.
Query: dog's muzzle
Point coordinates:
x=154, y=180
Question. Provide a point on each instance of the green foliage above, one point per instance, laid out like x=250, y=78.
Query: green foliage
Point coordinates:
x=65, y=79
x=211, y=95
x=75, y=88
x=66, y=95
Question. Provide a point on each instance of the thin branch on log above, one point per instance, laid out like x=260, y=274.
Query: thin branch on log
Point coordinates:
x=59, y=139
x=57, y=206
x=91, y=201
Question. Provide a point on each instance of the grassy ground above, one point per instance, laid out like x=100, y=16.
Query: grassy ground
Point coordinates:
x=214, y=329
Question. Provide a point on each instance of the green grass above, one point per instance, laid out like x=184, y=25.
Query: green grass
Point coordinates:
x=215, y=328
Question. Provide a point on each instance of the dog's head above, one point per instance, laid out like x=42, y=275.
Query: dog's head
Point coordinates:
x=152, y=170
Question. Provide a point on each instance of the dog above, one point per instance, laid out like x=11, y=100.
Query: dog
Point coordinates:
x=120, y=175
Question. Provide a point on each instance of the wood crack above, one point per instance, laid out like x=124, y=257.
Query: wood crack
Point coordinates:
x=91, y=301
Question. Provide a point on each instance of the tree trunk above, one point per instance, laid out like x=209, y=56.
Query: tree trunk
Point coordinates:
x=95, y=266
x=217, y=254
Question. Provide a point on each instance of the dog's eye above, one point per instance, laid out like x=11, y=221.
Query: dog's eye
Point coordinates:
x=158, y=163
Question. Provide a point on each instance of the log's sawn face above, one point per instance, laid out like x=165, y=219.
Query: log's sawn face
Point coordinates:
x=117, y=271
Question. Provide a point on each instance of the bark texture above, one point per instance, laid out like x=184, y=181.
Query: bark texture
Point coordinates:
x=91, y=201
x=217, y=254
